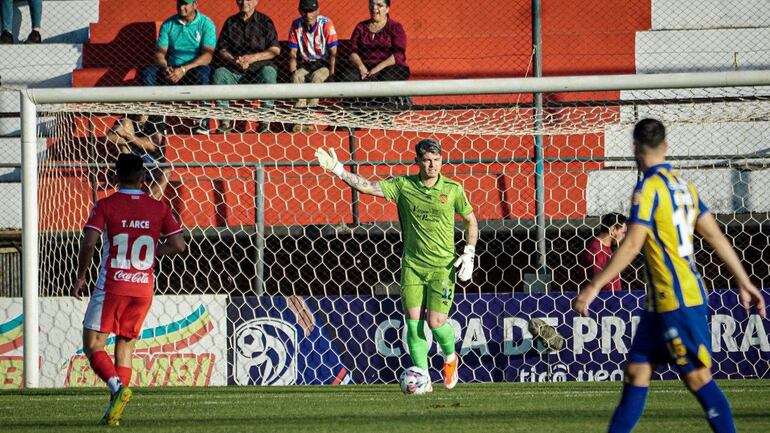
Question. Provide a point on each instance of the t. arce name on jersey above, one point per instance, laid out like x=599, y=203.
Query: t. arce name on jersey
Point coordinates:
x=136, y=224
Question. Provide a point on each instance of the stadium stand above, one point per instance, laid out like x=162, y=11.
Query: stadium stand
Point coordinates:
x=121, y=41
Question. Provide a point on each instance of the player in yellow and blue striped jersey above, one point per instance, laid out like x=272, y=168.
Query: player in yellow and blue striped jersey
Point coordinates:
x=666, y=211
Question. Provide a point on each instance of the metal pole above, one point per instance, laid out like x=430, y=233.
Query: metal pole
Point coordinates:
x=94, y=186
x=29, y=242
x=354, y=169
x=537, y=43
x=260, y=228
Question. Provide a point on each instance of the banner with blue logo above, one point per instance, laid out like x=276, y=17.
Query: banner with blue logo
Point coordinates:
x=281, y=341
x=332, y=340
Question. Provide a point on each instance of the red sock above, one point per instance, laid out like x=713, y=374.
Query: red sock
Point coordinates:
x=124, y=373
x=102, y=365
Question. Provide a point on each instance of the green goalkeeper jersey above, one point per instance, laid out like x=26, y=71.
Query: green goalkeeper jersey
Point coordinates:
x=427, y=217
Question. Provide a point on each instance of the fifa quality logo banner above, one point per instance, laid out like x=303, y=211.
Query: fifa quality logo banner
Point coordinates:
x=265, y=352
x=322, y=340
x=182, y=343
x=282, y=341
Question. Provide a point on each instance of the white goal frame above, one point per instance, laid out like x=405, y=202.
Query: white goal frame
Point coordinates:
x=32, y=98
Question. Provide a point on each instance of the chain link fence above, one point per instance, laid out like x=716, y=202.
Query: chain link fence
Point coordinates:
x=259, y=218
x=108, y=43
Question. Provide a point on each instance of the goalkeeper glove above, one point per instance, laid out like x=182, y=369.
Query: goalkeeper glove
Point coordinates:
x=464, y=263
x=329, y=161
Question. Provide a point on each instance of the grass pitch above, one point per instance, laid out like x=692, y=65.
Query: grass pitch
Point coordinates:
x=506, y=407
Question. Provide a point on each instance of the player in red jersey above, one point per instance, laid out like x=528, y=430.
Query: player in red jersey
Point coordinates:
x=130, y=223
x=599, y=249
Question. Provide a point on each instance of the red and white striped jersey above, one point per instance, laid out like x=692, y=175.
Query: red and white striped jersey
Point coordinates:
x=313, y=44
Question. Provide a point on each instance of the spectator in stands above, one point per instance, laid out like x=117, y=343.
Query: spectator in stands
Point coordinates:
x=36, y=14
x=247, y=45
x=379, y=47
x=312, y=51
x=144, y=136
x=185, y=47
x=599, y=249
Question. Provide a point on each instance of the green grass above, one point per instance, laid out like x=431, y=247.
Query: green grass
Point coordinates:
x=507, y=407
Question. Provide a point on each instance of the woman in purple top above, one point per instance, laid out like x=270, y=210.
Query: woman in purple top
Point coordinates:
x=379, y=47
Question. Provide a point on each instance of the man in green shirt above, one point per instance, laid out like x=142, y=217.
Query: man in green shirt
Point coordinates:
x=184, y=49
x=427, y=203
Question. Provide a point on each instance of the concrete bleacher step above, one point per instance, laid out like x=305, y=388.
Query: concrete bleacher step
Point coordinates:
x=10, y=196
x=63, y=21
x=10, y=149
x=44, y=65
x=748, y=94
x=10, y=153
x=702, y=50
x=59, y=75
x=723, y=190
x=11, y=126
x=723, y=140
x=678, y=14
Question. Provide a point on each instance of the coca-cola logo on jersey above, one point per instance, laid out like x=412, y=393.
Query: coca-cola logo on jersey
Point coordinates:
x=132, y=277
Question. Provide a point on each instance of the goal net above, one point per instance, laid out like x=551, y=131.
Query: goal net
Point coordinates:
x=292, y=278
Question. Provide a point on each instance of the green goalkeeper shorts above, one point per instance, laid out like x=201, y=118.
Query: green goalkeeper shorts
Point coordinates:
x=432, y=288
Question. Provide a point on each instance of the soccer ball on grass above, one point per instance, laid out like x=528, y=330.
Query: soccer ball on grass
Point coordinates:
x=414, y=380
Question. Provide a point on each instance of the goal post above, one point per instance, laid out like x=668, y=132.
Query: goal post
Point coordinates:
x=30, y=242
x=246, y=198
x=581, y=83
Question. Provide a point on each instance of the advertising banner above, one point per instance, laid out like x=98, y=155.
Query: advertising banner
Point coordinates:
x=282, y=341
x=215, y=340
x=182, y=343
x=362, y=339
x=11, y=343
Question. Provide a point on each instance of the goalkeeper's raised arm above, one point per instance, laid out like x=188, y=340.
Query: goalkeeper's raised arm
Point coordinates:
x=328, y=160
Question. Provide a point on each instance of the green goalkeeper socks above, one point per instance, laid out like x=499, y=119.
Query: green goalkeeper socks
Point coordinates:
x=445, y=337
x=418, y=344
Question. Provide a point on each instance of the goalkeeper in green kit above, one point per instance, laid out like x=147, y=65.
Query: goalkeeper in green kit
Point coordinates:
x=427, y=203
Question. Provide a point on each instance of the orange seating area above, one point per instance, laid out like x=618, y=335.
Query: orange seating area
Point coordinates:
x=302, y=195
x=453, y=41
x=576, y=41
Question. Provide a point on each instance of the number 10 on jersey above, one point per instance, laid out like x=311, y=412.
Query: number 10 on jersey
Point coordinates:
x=142, y=252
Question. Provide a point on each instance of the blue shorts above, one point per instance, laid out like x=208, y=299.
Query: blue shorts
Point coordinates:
x=679, y=337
